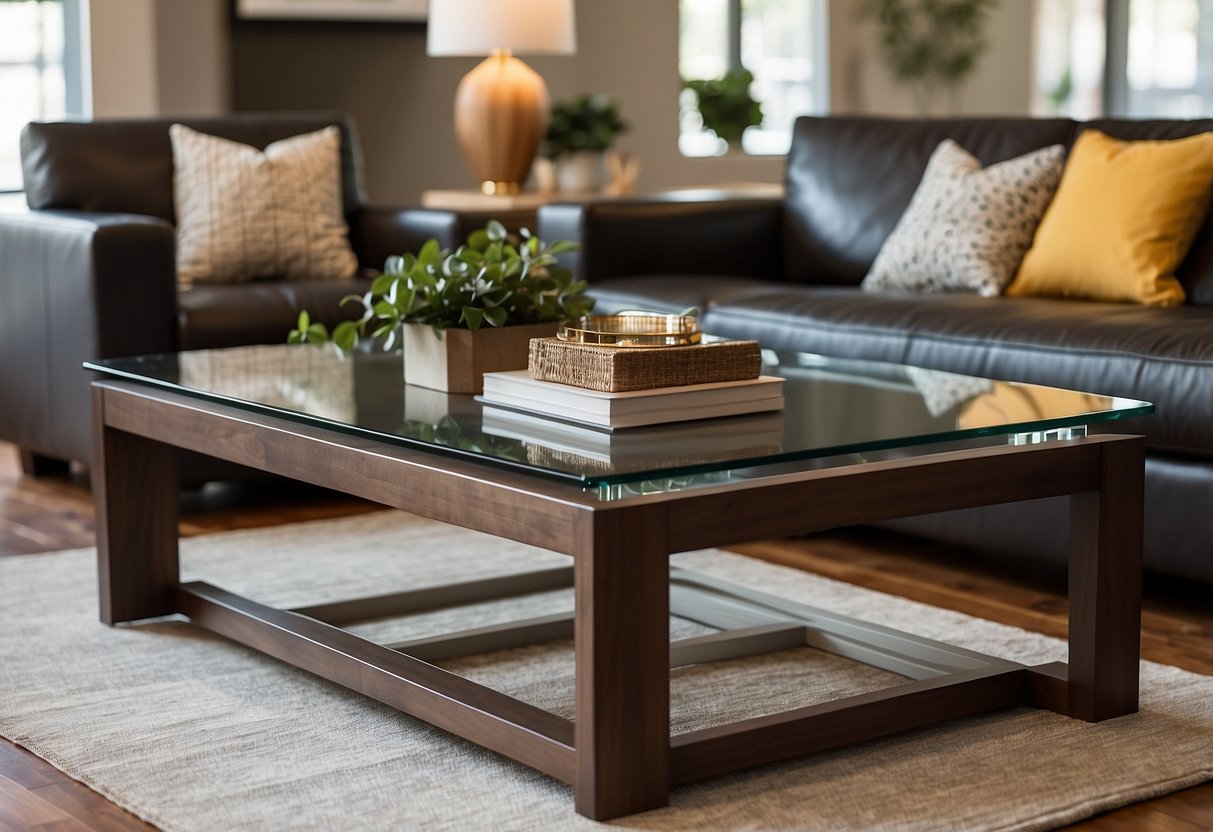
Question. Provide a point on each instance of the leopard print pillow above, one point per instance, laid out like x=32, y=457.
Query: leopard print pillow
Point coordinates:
x=967, y=227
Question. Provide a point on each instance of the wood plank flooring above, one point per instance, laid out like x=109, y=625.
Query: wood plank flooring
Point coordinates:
x=57, y=513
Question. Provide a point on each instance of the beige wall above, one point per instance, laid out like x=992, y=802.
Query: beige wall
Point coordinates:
x=153, y=57
x=1001, y=85
x=193, y=57
x=122, y=47
x=402, y=99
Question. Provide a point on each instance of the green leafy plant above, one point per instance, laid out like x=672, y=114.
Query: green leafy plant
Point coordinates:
x=587, y=122
x=448, y=432
x=491, y=279
x=930, y=44
x=726, y=105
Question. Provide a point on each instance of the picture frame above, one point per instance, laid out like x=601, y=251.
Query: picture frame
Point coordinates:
x=326, y=11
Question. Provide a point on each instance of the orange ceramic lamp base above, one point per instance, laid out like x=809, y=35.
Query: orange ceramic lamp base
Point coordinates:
x=501, y=115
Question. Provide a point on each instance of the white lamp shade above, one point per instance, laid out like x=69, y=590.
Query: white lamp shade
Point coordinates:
x=477, y=27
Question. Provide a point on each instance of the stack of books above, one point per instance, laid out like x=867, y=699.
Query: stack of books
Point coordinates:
x=556, y=442
x=517, y=391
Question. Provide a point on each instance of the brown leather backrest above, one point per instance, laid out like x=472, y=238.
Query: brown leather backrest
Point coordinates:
x=1196, y=272
x=126, y=165
x=850, y=178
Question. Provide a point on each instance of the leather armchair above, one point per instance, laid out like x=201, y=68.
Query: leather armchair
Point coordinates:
x=89, y=271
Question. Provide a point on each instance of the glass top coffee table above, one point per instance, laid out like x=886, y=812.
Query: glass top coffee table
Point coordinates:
x=856, y=442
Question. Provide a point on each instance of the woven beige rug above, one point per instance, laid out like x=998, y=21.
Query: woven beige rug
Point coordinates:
x=192, y=732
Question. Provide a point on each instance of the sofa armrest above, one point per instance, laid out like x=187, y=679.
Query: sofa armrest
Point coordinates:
x=377, y=233
x=735, y=237
x=76, y=286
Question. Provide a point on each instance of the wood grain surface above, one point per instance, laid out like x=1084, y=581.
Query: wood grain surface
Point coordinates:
x=56, y=512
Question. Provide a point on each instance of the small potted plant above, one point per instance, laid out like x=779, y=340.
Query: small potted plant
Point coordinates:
x=579, y=132
x=461, y=314
x=726, y=105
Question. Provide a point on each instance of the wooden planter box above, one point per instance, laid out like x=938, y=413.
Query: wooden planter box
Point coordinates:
x=456, y=360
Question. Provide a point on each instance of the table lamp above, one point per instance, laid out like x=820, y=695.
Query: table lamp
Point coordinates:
x=501, y=106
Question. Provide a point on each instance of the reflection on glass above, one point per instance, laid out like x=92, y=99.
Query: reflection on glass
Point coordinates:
x=309, y=381
x=943, y=391
x=1017, y=403
x=832, y=408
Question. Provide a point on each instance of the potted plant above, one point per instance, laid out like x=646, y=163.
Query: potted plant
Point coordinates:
x=461, y=314
x=579, y=132
x=726, y=105
x=929, y=45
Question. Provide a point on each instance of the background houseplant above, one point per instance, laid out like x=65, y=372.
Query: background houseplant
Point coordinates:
x=726, y=105
x=462, y=313
x=579, y=131
x=932, y=45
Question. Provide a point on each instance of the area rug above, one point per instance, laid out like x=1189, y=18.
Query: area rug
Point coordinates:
x=192, y=732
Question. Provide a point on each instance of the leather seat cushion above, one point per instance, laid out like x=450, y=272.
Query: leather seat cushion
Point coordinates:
x=673, y=293
x=232, y=315
x=1164, y=356
x=1178, y=539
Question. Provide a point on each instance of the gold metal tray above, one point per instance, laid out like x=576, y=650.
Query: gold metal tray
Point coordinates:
x=631, y=329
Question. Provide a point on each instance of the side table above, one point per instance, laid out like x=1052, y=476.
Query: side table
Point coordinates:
x=514, y=211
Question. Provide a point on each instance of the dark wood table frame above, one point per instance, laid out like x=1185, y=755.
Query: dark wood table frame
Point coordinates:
x=618, y=754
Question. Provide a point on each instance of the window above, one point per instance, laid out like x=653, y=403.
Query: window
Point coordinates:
x=1141, y=58
x=782, y=42
x=1165, y=49
x=39, y=72
x=1071, y=41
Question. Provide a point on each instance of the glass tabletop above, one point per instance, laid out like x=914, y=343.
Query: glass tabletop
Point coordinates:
x=832, y=407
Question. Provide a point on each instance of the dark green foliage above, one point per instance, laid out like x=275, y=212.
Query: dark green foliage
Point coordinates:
x=930, y=42
x=490, y=279
x=1061, y=93
x=726, y=105
x=587, y=122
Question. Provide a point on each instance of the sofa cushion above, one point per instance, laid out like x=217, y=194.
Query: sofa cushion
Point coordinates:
x=1123, y=220
x=1196, y=273
x=211, y=316
x=126, y=165
x=849, y=179
x=1164, y=356
x=245, y=213
x=967, y=227
x=673, y=293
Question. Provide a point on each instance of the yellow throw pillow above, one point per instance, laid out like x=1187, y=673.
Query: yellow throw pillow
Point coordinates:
x=1122, y=220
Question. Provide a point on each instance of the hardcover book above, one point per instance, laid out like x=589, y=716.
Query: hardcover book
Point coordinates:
x=516, y=390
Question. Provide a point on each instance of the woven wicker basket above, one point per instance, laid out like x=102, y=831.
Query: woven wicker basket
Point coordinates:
x=618, y=369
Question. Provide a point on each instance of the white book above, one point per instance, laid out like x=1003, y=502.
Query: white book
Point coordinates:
x=710, y=439
x=517, y=390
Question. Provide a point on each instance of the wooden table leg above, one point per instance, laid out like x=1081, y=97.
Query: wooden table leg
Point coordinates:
x=1105, y=587
x=136, y=492
x=621, y=575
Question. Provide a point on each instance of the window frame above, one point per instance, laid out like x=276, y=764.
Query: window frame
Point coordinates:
x=819, y=83
x=74, y=62
x=1116, y=93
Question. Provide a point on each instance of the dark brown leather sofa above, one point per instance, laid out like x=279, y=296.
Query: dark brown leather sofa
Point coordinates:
x=89, y=271
x=786, y=272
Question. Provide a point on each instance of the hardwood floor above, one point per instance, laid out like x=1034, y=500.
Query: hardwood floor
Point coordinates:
x=57, y=513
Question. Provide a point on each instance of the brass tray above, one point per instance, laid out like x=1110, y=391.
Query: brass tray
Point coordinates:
x=632, y=329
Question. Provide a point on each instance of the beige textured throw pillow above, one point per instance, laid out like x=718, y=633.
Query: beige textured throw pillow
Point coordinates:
x=967, y=227
x=244, y=214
